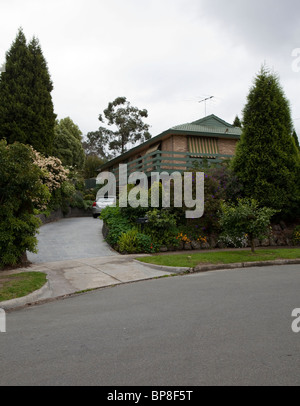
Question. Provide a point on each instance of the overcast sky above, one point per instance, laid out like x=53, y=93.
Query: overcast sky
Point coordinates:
x=163, y=55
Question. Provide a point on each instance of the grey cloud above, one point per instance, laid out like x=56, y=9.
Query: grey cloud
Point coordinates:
x=267, y=26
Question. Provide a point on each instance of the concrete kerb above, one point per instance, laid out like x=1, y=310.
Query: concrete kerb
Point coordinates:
x=25, y=300
x=220, y=267
x=171, y=269
x=43, y=295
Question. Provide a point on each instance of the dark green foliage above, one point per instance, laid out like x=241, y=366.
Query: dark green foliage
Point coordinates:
x=130, y=212
x=21, y=190
x=26, y=108
x=215, y=182
x=91, y=166
x=228, y=182
x=237, y=122
x=116, y=222
x=246, y=218
x=296, y=140
x=162, y=227
x=146, y=244
x=267, y=160
x=296, y=235
x=67, y=144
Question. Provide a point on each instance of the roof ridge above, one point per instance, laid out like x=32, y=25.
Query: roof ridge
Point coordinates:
x=212, y=116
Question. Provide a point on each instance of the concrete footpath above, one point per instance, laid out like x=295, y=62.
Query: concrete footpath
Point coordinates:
x=65, y=278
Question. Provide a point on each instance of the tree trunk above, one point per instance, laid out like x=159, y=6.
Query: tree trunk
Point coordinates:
x=252, y=245
x=24, y=259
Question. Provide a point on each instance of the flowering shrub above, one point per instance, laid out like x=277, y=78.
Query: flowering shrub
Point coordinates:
x=54, y=174
x=234, y=241
x=183, y=237
x=202, y=240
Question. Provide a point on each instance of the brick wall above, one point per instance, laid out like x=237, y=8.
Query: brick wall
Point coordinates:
x=227, y=147
x=180, y=143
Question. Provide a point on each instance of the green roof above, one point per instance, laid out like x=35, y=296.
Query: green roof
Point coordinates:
x=211, y=126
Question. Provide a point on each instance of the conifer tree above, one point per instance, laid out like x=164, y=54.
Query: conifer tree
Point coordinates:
x=296, y=140
x=237, y=122
x=26, y=108
x=267, y=160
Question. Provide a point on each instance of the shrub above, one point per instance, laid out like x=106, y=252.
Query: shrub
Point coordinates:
x=192, y=233
x=116, y=222
x=296, y=235
x=132, y=213
x=90, y=197
x=245, y=218
x=21, y=190
x=213, y=197
x=161, y=227
x=234, y=241
x=146, y=245
x=230, y=185
x=128, y=242
x=77, y=200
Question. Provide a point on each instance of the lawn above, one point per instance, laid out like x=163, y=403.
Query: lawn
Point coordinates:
x=190, y=260
x=21, y=284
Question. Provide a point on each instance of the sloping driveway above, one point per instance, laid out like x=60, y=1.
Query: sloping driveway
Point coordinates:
x=70, y=239
x=75, y=257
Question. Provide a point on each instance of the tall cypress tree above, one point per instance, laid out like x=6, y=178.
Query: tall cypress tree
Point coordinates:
x=14, y=95
x=296, y=140
x=43, y=123
x=267, y=160
x=26, y=108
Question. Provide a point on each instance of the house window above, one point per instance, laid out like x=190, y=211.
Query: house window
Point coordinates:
x=203, y=145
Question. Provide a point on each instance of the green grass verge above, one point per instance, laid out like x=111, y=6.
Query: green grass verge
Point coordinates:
x=21, y=284
x=190, y=260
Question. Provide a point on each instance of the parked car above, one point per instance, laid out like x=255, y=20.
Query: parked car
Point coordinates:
x=101, y=203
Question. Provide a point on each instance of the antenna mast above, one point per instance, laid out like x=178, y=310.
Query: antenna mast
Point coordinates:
x=205, y=101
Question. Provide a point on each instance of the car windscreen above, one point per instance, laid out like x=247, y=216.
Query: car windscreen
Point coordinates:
x=108, y=200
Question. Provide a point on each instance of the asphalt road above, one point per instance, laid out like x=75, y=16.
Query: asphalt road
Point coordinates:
x=69, y=239
x=220, y=328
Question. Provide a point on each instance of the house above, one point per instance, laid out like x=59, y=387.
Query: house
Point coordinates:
x=209, y=139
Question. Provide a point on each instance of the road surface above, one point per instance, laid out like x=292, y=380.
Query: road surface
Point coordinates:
x=220, y=328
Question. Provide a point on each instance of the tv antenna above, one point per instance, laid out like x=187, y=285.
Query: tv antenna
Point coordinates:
x=205, y=101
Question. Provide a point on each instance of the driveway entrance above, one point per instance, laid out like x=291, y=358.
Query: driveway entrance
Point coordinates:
x=69, y=239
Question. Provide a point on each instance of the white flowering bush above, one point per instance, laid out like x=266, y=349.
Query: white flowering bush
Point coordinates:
x=234, y=241
x=54, y=173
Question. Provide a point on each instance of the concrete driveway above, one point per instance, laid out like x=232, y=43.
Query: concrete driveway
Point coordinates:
x=70, y=239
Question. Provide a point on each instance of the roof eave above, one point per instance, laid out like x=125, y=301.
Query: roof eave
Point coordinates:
x=159, y=137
